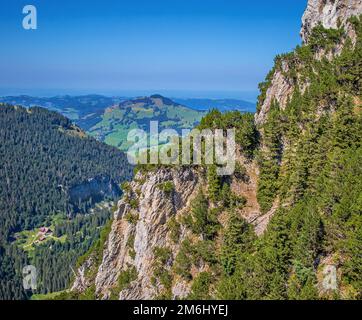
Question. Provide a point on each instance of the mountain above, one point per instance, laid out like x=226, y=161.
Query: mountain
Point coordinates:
x=110, y=119
x=221, y=104
x=287, y=224
x=52, y=175
x=76, y=108
x=118, y=120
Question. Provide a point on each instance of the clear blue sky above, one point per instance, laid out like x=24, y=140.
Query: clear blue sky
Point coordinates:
x=176, y=47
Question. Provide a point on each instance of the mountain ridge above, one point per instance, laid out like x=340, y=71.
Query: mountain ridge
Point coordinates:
x=286, y=225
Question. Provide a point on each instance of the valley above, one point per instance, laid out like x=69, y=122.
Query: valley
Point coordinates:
x=57, y=190
x=286, y=224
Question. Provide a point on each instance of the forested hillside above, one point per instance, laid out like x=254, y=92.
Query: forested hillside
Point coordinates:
x=44, y=158
x=292, y=208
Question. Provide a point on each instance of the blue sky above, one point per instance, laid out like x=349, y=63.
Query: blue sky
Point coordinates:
x=215, y=48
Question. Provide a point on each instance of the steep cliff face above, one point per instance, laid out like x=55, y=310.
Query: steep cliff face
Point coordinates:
x=331, y=14
x=280, y=90
x=303, y=108
x=95, y=189
x=140, y=226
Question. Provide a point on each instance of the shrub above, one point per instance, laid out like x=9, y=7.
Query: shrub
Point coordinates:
x=131, y=218
x=200, y=287
x=183, y=261
x=134, y=203
x=130, y=245
x=174, y=229
x=126, y=187
x=237, y=201
x=205, y=251
x=126, y=277
x=168, y=187
x=162, y=254
x=240, y=172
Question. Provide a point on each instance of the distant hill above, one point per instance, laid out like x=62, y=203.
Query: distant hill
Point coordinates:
x=117, y=120
x=109, y=119
x=76, y=108
x=221, y=104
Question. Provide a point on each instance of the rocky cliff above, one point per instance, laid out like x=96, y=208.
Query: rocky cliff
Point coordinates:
x=303, y=107
x=329, y=14
x=95, y=189
x=140, y=226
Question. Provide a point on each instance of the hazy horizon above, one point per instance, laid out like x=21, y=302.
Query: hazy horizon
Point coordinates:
x=249, y=96
x=218, y=49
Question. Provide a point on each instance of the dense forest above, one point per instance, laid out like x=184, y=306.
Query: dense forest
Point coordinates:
x=310, y=156
x=42, y=157
x=310, y=161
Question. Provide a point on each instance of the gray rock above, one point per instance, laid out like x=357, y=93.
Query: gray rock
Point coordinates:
x=329, y=13
x=155, y=208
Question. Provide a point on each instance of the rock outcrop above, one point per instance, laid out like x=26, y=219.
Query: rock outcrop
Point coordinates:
x=131, y=242
x=96, y=189
x=141, y=223
x=331, y=14
x=280, y=90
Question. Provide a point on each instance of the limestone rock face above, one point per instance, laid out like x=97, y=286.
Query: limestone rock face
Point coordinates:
x=155, y=207
x=81, y=282
x=279, y=91
x=330, y=13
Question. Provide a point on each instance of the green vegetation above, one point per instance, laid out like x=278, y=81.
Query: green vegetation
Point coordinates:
x=269, y=161
x=325, y=38
x=161, y=274
x=134, y=203
x=246, y=135
x=214, y=183
x=309, y=154
x=48, y=296
x=116, y=122
x=183, y=260
x=174, y=228
x=124, y=280
x=126, y=187
x=45, y=148
x=130, y=245
x=167, y=187
x=203, y=221
x=126, y=277
x=237, y=241
x=131, y=218
x=310, y=162
x=200, y=287
x=317, y=173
